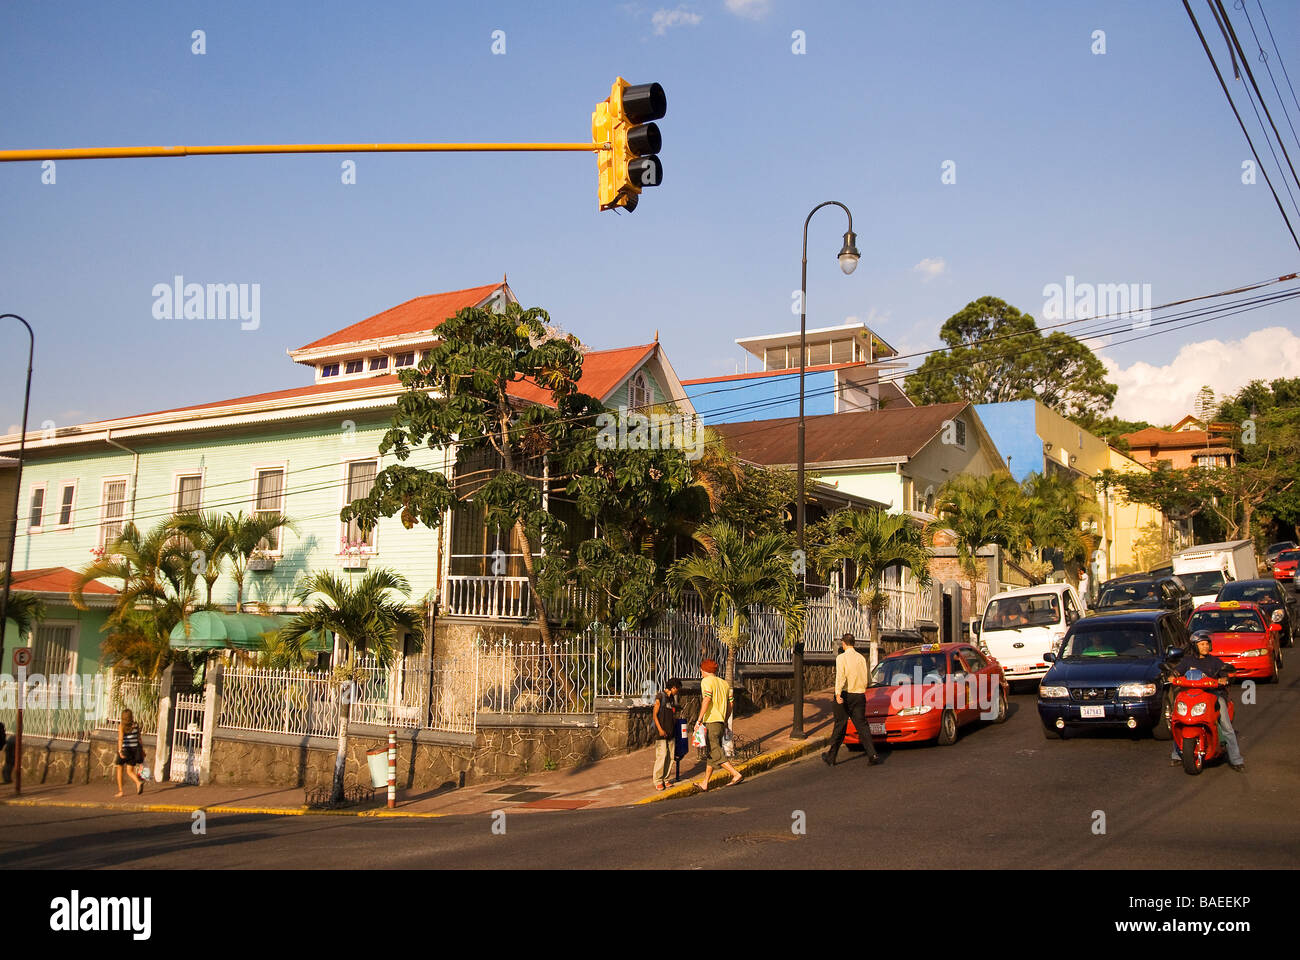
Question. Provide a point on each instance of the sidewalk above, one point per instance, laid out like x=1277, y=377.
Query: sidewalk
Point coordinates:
x=615, y=781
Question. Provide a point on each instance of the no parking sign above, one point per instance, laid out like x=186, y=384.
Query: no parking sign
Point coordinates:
x=22, y=657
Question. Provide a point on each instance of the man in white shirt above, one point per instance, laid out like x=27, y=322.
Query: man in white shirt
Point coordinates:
x=851, y=678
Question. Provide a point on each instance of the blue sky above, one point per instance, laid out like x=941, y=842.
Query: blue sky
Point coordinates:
x=1115, y=168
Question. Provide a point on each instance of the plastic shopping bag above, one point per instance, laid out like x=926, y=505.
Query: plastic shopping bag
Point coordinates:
x=700, y=737
x=728, y=745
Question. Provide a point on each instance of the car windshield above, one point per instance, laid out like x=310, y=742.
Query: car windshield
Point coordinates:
x=1031, y=610
x=1289, y=555
x=913, y=668
x=1250, y=592
x=1226, y=621
x=1199, y=584
x=1135, y=642
x=1279, y=547
x=1139, y=593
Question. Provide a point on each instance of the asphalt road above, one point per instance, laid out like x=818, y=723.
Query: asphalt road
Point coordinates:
x=1002, y=796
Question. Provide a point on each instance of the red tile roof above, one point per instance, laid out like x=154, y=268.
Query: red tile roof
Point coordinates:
x=869, y=435
x=418, y=315
x=55, y=580
x=1167, y=439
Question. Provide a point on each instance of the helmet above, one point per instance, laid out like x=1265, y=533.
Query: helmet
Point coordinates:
x=1200, y=635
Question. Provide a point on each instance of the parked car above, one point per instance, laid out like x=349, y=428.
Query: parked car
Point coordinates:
x=1018, y=625
x=930, y=691
x=1241, y=638
x=1277, y=604
x=1142, y=590
x=1275, y=548
x=1112, y=673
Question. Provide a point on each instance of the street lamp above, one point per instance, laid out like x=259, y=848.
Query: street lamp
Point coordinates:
x=848, y=257
x=18, y=485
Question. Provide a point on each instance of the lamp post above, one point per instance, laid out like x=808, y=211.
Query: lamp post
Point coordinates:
x=848, y=257
x=18, y=485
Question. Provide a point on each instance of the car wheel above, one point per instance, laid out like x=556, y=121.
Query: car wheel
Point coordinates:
x=947, y=728
x=1193, y=763
x=1001, y=715
x=1162, y=731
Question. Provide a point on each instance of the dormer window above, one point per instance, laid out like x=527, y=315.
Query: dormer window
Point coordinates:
x=378, y=363
x=355, y=366
x=329, y=370
x=406, y=359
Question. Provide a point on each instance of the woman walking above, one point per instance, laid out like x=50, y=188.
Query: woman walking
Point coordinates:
x=130, y=751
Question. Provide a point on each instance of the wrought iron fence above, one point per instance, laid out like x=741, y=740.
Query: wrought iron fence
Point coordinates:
x=137, y=694
x=71, y=706
x=295, y=702
x=639, y=664
x=529, y=677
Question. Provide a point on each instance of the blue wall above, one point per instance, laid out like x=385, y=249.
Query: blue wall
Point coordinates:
x=763, y=398
x=1013, y=429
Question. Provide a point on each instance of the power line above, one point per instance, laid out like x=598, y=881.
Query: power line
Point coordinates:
x=1281, y=62
x=1242, y=124
x=1263, y=56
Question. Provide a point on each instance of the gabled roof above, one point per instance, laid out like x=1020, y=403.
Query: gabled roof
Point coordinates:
x=1167, y=439
x=415, y=316
x=603, y=372
x=891, y=434
x=56, y=580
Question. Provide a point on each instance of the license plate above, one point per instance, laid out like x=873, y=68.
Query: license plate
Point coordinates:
x=1092, y=713
x=877, y=729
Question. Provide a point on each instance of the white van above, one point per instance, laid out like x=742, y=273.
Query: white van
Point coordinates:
x=1019, y=626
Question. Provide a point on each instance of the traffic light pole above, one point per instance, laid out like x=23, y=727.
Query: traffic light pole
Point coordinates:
x=120, y=153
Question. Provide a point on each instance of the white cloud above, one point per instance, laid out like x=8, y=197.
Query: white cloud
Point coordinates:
x=1164, y=395
x=664, y=19
x=750, y=9
x=931, y=267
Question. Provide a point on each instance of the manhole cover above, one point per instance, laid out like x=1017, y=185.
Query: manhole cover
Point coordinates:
x=762, y=838
x=701, y=814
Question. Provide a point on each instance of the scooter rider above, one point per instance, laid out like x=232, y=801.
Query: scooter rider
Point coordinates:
x=1212, y=667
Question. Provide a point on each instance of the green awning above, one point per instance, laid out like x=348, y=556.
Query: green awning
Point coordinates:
x=215, y=630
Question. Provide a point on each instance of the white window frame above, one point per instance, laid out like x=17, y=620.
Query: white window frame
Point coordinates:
x=72, y=510
x=74, y=639
x=372, y=361
x=103, y=506
x=343, y=367
x=338, y=370
x=637, y=385
x=45, y=506
x=397, y=359
x=277, y=549
x=176, y=488
x=371, y=549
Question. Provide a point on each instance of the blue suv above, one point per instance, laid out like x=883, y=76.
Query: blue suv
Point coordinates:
x=1111, y=671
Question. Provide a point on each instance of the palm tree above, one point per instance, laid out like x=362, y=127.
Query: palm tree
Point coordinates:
x=1058, y=506
x=982, y=511
x=26, y=611
x=210, y=535
x=874, y=541
x=158, y=591
x=735, y=572
x=246, y=536
x=365, y=619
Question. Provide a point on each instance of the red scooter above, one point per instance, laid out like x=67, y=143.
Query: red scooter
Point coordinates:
x=1195, y=719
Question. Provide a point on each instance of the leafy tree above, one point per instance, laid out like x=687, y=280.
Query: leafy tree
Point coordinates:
x=366, y=619
x=874, y=541
x=1267, y=421
x=996, y=353
x=1178, y=494
x=1057, y=507
x=734, y=572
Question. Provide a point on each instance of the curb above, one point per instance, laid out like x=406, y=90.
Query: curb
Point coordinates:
x=765, y=761
x=218, y=808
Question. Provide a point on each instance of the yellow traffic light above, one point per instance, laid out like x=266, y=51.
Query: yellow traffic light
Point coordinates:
x=631, y=163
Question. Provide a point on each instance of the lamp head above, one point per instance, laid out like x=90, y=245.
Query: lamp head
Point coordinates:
x=849, y=255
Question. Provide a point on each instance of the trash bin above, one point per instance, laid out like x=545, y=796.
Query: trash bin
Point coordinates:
x=378, y=760
x=683, y=745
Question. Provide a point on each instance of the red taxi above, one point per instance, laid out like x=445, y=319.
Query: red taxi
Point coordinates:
x=1285, y=564
x=928, y=692
x=1240, y=637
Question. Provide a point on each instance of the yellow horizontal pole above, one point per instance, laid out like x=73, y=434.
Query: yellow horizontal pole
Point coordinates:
x=115, y=153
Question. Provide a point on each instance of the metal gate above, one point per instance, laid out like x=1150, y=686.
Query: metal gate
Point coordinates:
x=188, y=744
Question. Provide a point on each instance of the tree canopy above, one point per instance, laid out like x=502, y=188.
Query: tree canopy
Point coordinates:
x=996, y=354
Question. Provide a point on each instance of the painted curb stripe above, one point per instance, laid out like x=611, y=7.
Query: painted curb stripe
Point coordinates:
x=218, y=808
x=760, y=763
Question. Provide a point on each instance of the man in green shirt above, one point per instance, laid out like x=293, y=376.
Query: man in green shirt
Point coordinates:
x=715, y=711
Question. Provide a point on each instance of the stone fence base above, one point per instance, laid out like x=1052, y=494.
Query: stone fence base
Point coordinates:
x=69, y=761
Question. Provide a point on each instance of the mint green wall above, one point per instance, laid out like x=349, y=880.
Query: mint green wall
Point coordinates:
x=619, y=397
x=88, y=624
x=313, y=453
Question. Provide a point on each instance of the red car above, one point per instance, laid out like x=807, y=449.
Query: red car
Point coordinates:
x=928, y=692
x=1285, y=564
x=1240, y=637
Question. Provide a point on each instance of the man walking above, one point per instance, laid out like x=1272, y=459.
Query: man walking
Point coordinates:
x=715, y=711
x=665, y=719
x=851, y=676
